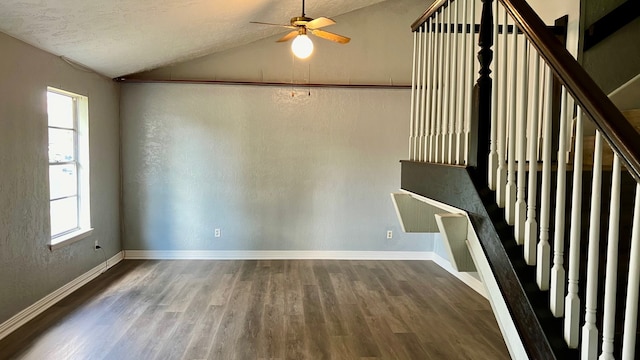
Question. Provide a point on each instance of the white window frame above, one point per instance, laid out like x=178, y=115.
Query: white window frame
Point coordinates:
x=81, y=153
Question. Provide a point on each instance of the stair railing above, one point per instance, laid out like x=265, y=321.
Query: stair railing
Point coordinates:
x=442, y=83
x=511, y=131
x=581, y=101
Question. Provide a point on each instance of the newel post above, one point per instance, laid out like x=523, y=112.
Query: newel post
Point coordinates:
x=482, y=93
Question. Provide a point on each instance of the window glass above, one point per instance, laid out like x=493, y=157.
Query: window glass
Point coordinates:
x=61, y=145
x=60, y=110
x=64, y=170
x=64, y=215
x=63, y=181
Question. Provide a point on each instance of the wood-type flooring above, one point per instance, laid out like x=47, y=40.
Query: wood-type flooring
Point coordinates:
x=246, y=309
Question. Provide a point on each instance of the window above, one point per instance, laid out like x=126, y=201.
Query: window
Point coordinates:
x=68, y=167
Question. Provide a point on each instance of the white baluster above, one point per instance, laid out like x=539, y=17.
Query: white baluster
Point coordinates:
x=423, y=98
x=439, y=135
x=501, y=177
x=419, y=93
x=510, y=205
x=427, y=83
x=544, y=249
x=557, y=271
x=413, y=94
x=453, y=90
x=446, y=116
x=434, y=91
x=521, y=144
x=493, y=152
x=589, y=346
x=530, y=226
x=611, y=275
x=572, y=301
x=471, y=80
x=493, y=147
x=461, y=94
x=631, y=303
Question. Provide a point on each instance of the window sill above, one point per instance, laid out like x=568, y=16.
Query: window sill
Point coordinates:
x=70, y=238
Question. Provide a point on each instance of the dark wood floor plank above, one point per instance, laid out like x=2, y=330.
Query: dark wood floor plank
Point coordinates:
x=313, y=313
x=363, y=343
x=295, y=347
x=411, y=347
x=202, y=335
x=158, y=335
x=318, y=341
x=329, y=301
x=272, y=343
x=385, y=339
x=366, y=276
x=266, y=309
x=390, y=286
x=196, y=303
x=341, y=348
x=305, y=272
x=342, y=286
x=293, y=293
x=276, y=288
x=222, y=286
x=248, y=342
x=229, y=330
x=386, y=309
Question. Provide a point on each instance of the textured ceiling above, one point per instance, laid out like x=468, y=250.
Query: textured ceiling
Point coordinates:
x=120, y=37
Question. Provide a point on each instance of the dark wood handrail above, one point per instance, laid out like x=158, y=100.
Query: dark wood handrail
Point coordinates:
x=435, y=6
x=615, y=128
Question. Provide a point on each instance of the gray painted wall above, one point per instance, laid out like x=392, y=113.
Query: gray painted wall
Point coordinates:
x=28, y=269
x=615, y=60
x=271, y=170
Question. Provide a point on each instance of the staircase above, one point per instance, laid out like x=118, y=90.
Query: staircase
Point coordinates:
x=561, y=233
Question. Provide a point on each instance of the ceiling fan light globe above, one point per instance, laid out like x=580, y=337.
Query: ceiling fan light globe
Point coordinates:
x=302, y=46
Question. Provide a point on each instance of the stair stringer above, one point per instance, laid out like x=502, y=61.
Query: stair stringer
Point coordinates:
x=459, y=187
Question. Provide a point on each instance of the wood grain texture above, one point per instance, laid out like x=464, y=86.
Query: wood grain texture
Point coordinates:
x=285, y=309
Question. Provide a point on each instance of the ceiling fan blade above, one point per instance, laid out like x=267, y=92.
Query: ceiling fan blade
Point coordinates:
x=289, y=36
x=271, y=24
x=320, y=22
x=330, y=36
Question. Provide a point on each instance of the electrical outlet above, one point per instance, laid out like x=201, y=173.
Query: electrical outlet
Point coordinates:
x=389, y=234
x=217, y=233
x=96, y=246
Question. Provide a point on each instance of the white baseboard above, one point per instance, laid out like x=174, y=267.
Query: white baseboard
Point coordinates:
x=274, y=255
x=469, y=280
x=472, y=282
x=46, y=302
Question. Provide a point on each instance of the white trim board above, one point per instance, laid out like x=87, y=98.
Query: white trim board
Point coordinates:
x=46, y=302
x=472, y=282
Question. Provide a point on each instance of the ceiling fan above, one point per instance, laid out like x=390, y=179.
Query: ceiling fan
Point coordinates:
x=302, y=46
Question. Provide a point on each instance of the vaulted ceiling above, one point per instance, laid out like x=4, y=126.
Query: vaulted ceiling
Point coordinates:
x=120, y=37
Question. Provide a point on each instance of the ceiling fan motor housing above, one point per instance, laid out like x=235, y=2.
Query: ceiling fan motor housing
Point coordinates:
x=300, y=20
